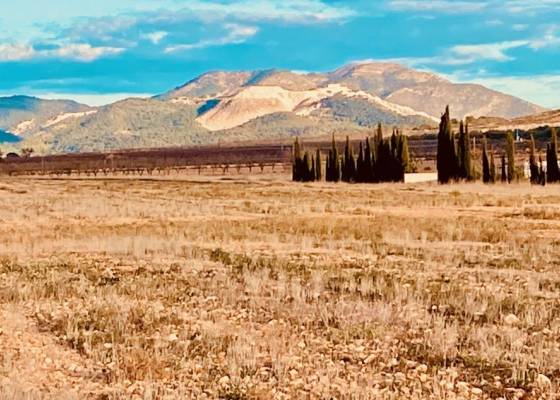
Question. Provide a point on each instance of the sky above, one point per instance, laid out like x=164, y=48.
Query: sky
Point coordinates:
x=99, y=51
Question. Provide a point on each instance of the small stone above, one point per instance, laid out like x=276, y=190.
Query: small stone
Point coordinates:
x=224, y=380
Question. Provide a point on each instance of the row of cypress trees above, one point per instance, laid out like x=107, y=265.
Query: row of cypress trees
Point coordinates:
x=508, y=171
x=379, y=160
x=306, y=168
x=454, y=159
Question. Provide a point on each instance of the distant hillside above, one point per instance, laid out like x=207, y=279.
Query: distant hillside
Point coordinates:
x=132, y=123
x=226, y=106
x=547, y=118
x=24, y=115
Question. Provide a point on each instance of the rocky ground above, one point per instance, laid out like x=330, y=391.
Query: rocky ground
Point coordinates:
x=262, y=289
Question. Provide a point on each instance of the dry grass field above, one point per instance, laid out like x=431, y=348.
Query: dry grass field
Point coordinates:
x=257, y=288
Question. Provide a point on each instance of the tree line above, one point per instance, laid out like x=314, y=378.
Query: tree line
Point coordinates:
x=377, y=160
x=454, y=158
x=382, y=159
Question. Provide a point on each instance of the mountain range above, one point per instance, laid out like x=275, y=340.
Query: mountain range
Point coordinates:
x=256, y=105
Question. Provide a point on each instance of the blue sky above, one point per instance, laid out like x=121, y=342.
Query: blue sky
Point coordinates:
x=98, y=51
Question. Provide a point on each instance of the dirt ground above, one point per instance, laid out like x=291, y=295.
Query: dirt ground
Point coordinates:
x=259, y=288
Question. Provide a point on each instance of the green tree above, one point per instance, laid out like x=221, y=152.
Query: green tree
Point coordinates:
x=464, y=163
x=533, y=166
x=348, y=165
x=510, y=150
x=296, y=161
x=552, y=169
x=485, y=163
x=333, y=163
x=492, y=167
x=446, y=153
x=369, y=163
x=318, y=166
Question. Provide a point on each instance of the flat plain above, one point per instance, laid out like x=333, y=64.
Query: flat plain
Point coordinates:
x=258, y=288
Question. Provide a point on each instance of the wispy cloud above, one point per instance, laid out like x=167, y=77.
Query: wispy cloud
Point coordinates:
x=443, y=6
x=235, y=34
x=16, y=52
x=155, y=37
x=73, y=51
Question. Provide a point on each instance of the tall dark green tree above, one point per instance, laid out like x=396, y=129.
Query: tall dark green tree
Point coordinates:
x=533, y=166
x=369, y=163
x=333, y=163
x=348, y=164
x=446, y=153
x=504, y=171
x=485, y=163
x=552, y=169
x=318, y=166
x=296, y=162
x=510, y=151
x=464, y=163
x=492, y=167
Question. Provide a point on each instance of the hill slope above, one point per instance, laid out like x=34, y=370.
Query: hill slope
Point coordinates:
x=24, y=115
x=254, y=105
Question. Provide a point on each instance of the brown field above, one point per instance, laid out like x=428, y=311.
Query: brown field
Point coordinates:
x=258, y=288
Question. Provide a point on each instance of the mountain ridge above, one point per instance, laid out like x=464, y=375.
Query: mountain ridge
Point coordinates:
x=249, y=105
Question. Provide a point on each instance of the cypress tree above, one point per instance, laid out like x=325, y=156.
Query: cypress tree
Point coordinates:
x=552, y=169
x=312, y=173
x=446, y=158
x=492, y=167
x=485, y=163
x=464, y=163
x=404, y=154
x=333, y=163
x=533, y=166
x=360, y=166
x=318, y=166
x=305, y=170
x=504, y=172
x=349, y=166
x=510, y=150
x=296, y=162
x=379, y=137
x=369, y=166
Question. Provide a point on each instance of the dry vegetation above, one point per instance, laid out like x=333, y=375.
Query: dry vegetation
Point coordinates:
x=263, y=289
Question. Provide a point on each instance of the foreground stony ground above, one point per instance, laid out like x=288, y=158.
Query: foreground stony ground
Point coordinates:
x=262, y=289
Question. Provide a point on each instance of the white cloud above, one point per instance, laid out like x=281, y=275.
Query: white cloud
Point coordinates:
x=82, y=52
x=530, y=6
x=16, y=52
x=444, y=6
x=491, y=51
x=72, y=51
x=155, y=37
x=291, y=11
x=549, y=39
x=235, y=34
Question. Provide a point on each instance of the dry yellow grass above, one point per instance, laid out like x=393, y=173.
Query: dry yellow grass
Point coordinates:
x=255, y=288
